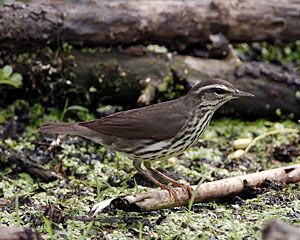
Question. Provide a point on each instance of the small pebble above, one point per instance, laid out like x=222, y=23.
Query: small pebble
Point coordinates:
x=241, y=143
x=236, y=154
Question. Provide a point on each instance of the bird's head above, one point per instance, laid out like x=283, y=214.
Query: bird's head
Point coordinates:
x=216, y=92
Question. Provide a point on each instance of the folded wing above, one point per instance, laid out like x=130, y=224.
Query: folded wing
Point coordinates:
x=160, y=122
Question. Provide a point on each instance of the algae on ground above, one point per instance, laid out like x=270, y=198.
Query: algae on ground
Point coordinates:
x=93, y=174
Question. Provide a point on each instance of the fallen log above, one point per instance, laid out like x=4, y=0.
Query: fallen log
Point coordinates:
x=220, y=189
x=172, y=23
x=119, y=77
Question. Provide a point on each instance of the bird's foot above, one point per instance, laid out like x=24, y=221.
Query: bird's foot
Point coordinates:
x=171, y=191
x=186, y=188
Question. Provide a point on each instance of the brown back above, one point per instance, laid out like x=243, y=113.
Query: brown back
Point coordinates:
x=160, y=121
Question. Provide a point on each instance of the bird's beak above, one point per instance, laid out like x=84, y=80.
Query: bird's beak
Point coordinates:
x=239, y=93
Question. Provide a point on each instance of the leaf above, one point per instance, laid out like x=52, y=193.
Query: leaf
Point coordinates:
x=8, y=77
x=8, y=82
x=78, y=108
x=17, y=79
x=48, y=226
x=7, y=71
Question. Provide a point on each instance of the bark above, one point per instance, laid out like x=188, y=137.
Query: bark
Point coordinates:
x=220, y=189
x=123, y=77
x=172, y=23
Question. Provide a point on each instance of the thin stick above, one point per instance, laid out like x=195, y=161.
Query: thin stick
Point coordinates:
x=156, y=200
x=286, y=130
x=148, y=92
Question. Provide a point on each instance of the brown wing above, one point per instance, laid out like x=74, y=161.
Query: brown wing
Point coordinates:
x=160, y=121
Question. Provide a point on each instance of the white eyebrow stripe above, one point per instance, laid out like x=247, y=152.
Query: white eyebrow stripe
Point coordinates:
x=214, y=86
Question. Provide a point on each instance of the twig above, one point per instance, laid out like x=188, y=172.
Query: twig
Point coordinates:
x=148, y=92
x=207, y=191
x=240, y=152
x=27, y=165
x=286, y=130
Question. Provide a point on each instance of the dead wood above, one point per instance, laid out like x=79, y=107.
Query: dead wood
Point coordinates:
x=132, y=78
x=220, y=189
x=26, y=164
x=277, y=230
x=172, y=23
x=120, y=77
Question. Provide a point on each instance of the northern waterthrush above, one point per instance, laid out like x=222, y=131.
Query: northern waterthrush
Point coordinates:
x=156, y=132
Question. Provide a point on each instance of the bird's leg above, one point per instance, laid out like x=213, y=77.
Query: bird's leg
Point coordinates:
x=170, y=180
x=138, y=165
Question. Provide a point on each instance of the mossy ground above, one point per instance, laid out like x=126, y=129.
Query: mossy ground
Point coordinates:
x=59, y=209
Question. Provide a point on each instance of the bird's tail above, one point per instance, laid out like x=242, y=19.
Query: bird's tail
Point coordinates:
x=60, y=128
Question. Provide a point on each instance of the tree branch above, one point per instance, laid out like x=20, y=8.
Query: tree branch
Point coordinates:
x=156, y=200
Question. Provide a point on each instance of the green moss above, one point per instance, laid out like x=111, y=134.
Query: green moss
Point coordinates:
x=289, y=53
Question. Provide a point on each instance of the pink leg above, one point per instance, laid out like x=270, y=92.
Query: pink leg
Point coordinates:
x=146, y=174
x=170, y=180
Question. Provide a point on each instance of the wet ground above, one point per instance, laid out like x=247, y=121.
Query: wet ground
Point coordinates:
x=53, y=191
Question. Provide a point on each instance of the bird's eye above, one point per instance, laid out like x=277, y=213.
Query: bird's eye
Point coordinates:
x=220, y=91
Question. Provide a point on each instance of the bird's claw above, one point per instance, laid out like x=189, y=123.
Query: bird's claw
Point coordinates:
x=173, y=192
x=186, y=188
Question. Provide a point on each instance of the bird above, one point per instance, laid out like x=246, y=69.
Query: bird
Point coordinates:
x=156, y=132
